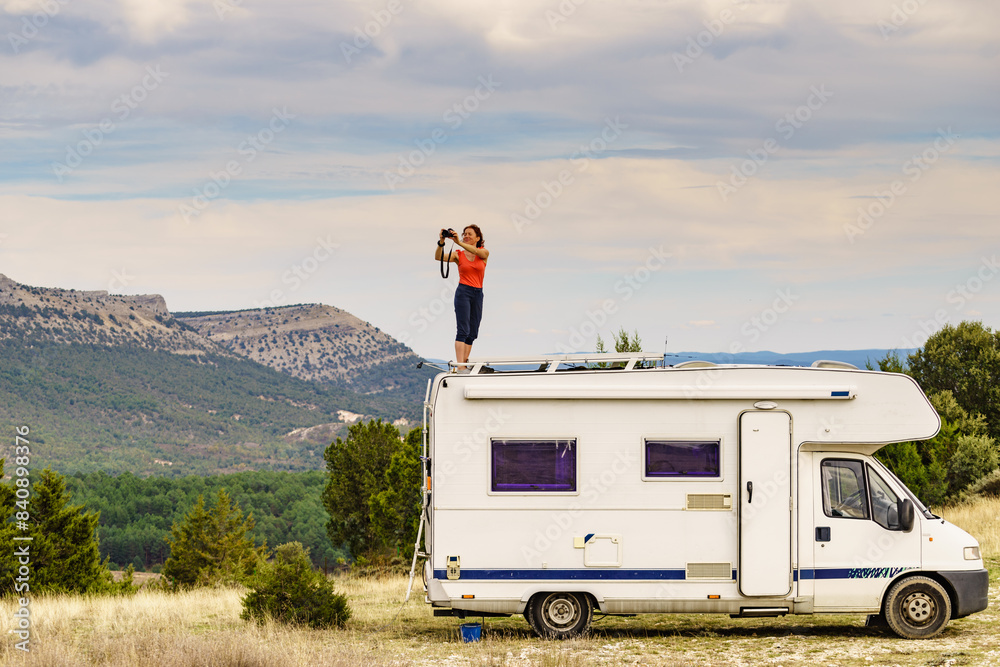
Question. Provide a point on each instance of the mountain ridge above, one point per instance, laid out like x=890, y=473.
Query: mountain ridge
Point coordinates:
x=314, y=342
x=114, y=383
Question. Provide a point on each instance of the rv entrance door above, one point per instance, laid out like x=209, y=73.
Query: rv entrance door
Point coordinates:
x=765, y=524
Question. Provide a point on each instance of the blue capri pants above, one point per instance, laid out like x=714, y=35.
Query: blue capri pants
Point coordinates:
x=468, y=312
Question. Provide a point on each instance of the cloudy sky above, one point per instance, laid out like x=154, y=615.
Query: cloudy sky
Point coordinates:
x=763, y=174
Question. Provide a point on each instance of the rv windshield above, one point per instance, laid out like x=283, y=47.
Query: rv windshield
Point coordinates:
x=916, y=501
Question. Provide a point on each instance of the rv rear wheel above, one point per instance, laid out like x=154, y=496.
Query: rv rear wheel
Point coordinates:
x=560, y=615
x=917, y=608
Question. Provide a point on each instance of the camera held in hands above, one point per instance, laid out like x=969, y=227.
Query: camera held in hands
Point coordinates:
x=449, y=234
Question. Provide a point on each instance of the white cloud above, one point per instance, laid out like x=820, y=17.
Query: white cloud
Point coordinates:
x=655, y=184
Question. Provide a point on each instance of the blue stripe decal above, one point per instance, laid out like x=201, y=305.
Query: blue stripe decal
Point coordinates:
x=575, y=575
x=587, y=538
x=853, y=573
x=840, y=394
x=593, y=574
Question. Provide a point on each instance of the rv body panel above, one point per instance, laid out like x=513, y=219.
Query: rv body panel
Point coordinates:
x=718, y=490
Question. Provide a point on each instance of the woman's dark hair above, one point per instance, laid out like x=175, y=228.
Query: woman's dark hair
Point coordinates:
x=479, y=233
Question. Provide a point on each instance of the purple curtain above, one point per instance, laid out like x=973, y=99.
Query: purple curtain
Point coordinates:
x=533, y=465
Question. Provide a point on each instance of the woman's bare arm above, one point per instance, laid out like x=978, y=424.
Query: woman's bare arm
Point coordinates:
x=481, y=253
x=440, y=251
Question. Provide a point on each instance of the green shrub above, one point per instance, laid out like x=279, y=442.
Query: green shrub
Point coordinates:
x=987, y=486
x=975, y=457
x=288, y=590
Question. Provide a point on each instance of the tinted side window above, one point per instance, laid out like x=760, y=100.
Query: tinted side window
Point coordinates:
x=533, y=465
x=844, y=493
x=682, y=458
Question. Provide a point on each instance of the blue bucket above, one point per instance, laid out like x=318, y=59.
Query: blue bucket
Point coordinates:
x=471, y=632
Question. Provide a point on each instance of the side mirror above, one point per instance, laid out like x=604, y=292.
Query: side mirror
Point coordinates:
x=906, y=517
x=892, y=516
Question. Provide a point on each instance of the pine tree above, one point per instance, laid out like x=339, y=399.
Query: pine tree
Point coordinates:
x=64, y=551
x=367, y=514
x=212, y=546
x=394, y=511
x=623, y=343
x=8, y=530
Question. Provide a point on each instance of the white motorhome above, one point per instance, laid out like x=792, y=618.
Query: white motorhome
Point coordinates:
x=570, y=489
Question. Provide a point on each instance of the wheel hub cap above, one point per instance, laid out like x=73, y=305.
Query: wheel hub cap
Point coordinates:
x=918, y=608
x=560, y=613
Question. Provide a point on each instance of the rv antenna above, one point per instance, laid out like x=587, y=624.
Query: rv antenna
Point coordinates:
x=665, y=350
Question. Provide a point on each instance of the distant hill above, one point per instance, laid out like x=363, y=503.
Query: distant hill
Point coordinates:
x=115, y=383
x=50, y=314
x=315, y=342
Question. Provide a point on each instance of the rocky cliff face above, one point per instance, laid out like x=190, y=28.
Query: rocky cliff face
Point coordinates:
x=72, y=316
x=312, y=342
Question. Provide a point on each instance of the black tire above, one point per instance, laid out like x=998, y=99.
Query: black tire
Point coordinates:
x=560, y=615
x=917, y=608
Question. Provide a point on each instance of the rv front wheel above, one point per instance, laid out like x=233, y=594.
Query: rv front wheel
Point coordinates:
x=917, y=608
x=560, y=615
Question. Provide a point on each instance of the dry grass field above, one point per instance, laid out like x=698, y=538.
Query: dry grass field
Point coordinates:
x=203, y=627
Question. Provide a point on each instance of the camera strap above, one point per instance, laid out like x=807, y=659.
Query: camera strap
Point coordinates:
x=446, y=265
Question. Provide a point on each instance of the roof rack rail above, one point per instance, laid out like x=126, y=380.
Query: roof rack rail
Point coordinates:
x=551, y=362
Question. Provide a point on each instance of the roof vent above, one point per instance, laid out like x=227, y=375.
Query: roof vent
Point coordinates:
x=824, y=363
x=695, y=364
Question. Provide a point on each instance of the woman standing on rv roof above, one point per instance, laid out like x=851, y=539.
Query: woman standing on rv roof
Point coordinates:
x=471, y=262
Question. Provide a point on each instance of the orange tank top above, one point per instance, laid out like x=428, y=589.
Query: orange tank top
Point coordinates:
x=470, y=272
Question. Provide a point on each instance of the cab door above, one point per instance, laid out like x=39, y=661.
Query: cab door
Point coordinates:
x=859, y=546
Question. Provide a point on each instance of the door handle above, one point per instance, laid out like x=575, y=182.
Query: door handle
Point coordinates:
x=749, y=492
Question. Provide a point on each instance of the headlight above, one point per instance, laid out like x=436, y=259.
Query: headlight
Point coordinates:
x=972, y=553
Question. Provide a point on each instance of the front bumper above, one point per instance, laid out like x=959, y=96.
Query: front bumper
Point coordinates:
x=971, y=588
